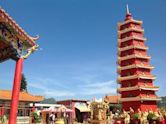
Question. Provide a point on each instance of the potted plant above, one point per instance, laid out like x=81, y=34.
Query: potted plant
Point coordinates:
x=36, y=118
x=152, y=118
x=135, y=118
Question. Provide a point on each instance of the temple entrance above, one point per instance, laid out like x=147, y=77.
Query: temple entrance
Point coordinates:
x=79, y=116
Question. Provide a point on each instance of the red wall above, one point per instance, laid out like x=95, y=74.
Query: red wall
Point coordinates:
x=134, y=105
x=133, y=51
x=134, y=71
x=144, y=106
x=134, y=93
x=148, y=105
x=130, y=25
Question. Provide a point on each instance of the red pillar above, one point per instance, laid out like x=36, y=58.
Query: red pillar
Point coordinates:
x=3, y=110
x=16, y=91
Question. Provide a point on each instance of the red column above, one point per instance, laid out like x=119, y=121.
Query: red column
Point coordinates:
x=3, y=110
x=16, y=91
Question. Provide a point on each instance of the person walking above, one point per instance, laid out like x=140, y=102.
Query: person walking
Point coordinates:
x=52, y=118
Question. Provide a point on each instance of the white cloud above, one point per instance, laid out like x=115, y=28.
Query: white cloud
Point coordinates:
x=86, y=89
x=99, y=88
x=77, y=86
x=37, y=86
x=59, y=93
x=50, y=91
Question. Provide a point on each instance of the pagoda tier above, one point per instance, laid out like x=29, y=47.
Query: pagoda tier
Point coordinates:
x=135, y=78
x=143, y=87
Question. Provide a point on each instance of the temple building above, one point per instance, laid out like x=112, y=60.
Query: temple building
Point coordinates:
x=25, y=99
x=136, y=81
x=17, y=45
x=80, y=109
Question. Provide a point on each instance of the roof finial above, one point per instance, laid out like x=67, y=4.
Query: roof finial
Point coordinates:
x=127, y=9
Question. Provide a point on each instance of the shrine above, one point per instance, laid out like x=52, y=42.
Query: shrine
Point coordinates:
x=17, y=45
x=136, y=81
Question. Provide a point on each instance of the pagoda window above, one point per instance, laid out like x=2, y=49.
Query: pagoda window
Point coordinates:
x=129, y=84
x=143, y=73
x=127, y=63
x=142, y=63
x=147, y=94
x=130, y=95
x=144, y=81
x=126, y=54
x=128, y=74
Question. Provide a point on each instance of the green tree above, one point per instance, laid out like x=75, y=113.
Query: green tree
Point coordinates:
x=23, y=84
x=49, y=101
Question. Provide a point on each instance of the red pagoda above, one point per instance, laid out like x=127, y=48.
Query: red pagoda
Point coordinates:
x=135, y=78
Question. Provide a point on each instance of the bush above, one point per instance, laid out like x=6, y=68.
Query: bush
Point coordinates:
x=136, y=116
x=151, y=116
x=36, y=117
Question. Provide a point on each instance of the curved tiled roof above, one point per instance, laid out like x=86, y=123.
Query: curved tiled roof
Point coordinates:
x=24, y=96
x=4, y=17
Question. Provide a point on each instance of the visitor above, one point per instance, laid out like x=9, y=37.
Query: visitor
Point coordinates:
x=52, y=118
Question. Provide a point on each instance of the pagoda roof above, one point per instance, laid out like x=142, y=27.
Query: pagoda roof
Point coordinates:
x=152, y=88
x=120, y=68
x=131, y=38
x=133, y=47
x=129, y=21
x=138, y=55
x=140, y=98
x=140, y=76
x=5, y=18
x=130, y=29
x=6, y=95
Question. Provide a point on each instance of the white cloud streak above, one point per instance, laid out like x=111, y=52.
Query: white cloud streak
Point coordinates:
x=86, y=89
x=103, y=88
x=51, y=91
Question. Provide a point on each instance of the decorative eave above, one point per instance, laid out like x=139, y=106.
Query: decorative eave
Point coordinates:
x=135, y=77
x=120, y=68
x=133, y=47
x=130, y=29
x=139, y=98
x=131, y=38
x=129, y=21
x=134, y=56
x=151, y=88
x=4, y=17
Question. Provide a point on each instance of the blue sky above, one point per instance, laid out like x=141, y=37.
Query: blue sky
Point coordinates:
x=78, y=44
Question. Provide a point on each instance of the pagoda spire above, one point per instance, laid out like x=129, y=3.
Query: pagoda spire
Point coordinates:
x=128, y=14
x=127, y=9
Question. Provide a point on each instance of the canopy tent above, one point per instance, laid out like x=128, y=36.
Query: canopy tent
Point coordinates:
x=82, y=107
x=62, y=108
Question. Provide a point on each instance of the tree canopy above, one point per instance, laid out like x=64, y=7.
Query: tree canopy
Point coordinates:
x=23, y=84
x=49, y=101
